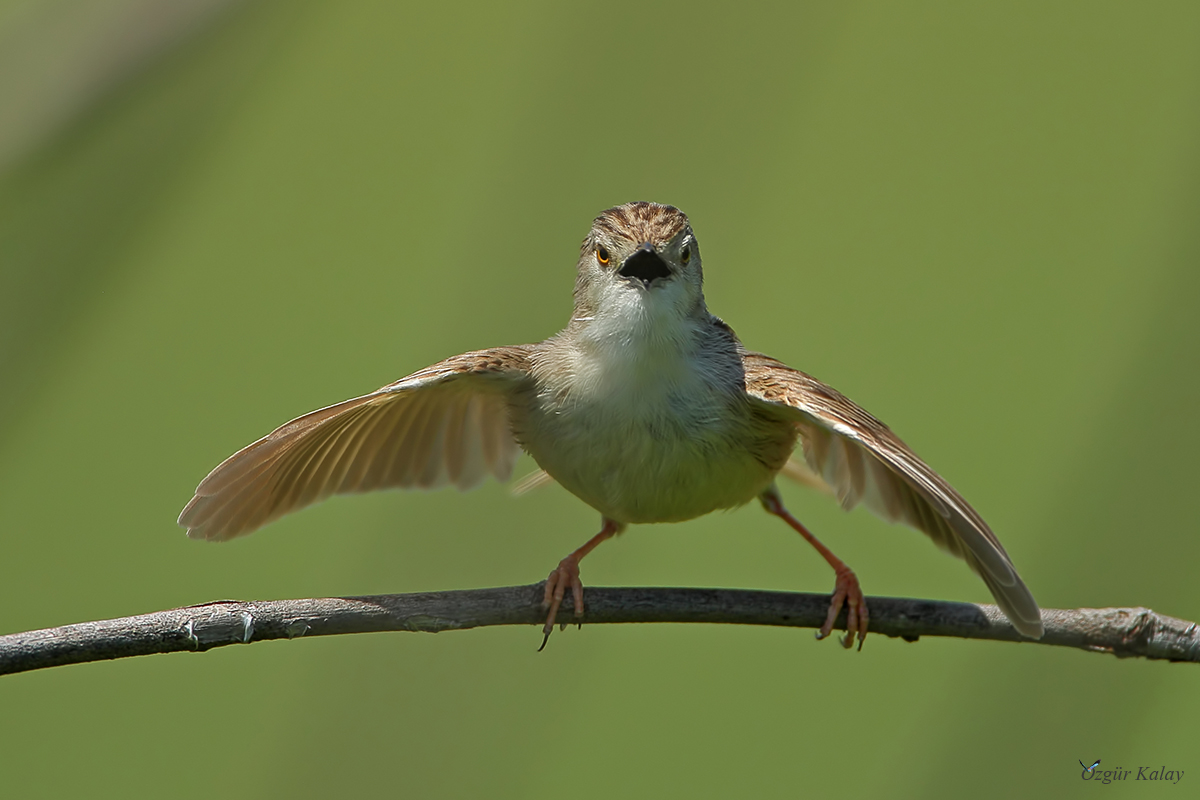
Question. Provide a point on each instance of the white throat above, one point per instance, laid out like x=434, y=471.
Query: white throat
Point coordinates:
x=637, y=337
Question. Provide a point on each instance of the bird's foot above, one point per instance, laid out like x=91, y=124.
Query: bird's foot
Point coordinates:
x=566, y=574
x=846, y=591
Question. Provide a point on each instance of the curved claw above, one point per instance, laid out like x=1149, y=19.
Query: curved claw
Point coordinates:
x=846, y=591
x=564, y=575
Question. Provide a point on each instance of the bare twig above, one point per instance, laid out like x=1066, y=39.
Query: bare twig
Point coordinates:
x=1123, y=632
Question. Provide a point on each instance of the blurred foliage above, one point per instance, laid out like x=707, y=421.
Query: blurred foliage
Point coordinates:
x=978, y=221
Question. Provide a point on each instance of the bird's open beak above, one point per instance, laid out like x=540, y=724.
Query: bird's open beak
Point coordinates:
x=645, y=265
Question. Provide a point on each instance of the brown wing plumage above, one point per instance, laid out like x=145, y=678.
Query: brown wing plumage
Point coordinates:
x=863, y=461
x=447, y=424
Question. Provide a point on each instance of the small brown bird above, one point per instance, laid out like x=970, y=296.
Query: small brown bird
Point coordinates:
x=646, y=407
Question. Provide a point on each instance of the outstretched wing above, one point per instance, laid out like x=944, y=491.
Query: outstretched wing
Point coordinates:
x=447, y=423
x=863, y=461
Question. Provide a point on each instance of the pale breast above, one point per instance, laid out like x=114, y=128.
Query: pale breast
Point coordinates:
x=652, y=439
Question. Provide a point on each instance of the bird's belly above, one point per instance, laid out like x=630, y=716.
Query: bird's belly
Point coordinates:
x=656, y=464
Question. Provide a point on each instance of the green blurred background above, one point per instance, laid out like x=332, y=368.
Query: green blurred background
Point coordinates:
x=979, y=221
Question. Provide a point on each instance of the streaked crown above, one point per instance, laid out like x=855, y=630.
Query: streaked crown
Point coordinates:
x=639, y=221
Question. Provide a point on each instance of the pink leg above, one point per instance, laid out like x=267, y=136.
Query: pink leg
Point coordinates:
x=845, y=588
x=567, y=574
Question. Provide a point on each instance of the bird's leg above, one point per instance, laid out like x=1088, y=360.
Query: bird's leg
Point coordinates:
x=845, y=589
x=567, y=574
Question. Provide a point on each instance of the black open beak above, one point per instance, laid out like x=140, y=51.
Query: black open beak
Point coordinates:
x=645, y=265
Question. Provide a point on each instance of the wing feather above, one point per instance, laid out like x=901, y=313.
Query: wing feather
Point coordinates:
x=403, y=461
x=864, y=462
x=474, y=466
x=448, y=423
x=361, y=447
x=453, y=451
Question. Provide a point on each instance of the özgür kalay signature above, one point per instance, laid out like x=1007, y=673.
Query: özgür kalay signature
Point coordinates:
x=1150, y=773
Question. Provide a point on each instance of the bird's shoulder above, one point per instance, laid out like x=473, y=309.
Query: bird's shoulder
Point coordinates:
x=511, y=362
x=772, y=381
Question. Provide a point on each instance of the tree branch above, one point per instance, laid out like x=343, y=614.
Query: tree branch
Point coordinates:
x=1124, y=632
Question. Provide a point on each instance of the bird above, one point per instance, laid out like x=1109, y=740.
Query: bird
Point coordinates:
x=646, y=407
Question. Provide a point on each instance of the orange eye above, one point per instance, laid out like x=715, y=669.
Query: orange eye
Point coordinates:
x=601, y=254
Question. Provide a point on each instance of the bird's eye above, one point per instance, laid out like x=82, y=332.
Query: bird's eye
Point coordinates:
x=686, y=255
x=602, y=254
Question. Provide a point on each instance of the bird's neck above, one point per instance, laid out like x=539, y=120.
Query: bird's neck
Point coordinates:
x=632, y=328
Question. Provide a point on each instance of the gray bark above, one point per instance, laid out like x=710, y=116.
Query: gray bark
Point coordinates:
x=1123, y=632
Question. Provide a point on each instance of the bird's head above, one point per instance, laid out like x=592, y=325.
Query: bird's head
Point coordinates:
x=640, y=259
